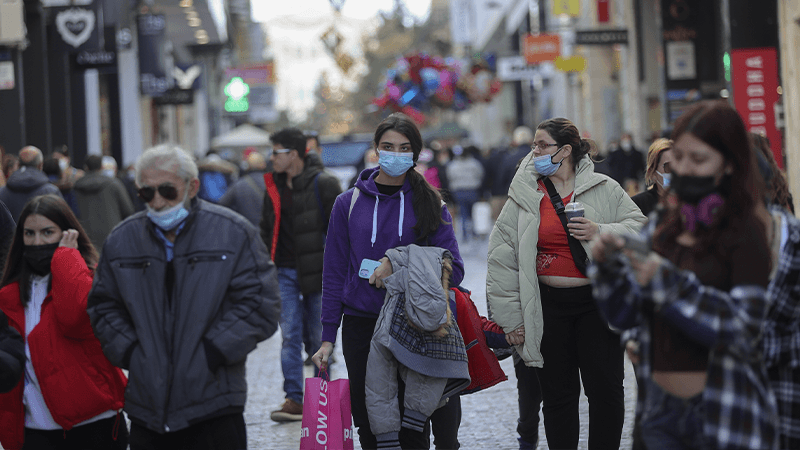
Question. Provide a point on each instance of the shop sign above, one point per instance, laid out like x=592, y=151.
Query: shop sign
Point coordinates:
x=78, y=26
x=175, y=96
x=541, y=47
x=755, y=92
x=96, y=59
x=515, y=68
x=601, y=37
x=154, y=55
x=569, y=7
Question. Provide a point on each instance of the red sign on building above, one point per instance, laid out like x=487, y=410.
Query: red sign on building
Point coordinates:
x=755, y=92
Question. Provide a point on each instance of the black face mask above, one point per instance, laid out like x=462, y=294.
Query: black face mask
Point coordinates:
x=691, y=189
x=38, y=257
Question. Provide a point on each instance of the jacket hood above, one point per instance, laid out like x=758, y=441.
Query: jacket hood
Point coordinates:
x=27, y=179
x=366, y=185
x=525, y=189
x=418, y=275
x=92, y=183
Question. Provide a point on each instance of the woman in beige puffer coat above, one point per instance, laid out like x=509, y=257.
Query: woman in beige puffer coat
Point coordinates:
x=534, y=287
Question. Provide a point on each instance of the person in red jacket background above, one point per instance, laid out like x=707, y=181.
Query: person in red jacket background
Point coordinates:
x=70, y=396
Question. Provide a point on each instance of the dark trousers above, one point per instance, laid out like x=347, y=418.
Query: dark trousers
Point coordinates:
x=220, y=433
x=356, y=339
x=445, y=422
x=578, y=346
x=529, y=399
x=106, y=434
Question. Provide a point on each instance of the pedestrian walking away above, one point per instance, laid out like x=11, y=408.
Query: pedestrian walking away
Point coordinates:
x=27, y=182
x=465, y=173
x=70, y=395
x=698, y=297
x=391, y=206
x=102, y=201
x=297, y=206
x=536, y=282
x=183, y=292
x=246, y=196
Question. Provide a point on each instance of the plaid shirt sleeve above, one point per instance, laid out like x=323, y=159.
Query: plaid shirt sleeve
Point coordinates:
x=616, y=292
x=781, y=343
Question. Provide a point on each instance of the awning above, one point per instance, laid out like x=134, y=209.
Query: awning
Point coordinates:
x=242, y=136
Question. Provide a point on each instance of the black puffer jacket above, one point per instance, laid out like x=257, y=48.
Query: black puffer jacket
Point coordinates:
x=184, y=328
x=12, y=355
x=308, y=227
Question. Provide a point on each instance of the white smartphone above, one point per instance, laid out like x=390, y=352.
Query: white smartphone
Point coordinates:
x=368, y=266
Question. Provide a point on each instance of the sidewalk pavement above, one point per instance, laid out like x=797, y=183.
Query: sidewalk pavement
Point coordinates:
x=489, y=418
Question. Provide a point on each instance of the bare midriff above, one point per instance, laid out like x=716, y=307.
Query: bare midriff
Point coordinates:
x=681, y=384
x=563, y=282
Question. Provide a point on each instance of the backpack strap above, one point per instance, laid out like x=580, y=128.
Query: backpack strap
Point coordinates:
x=356, y=191
x=575, y=247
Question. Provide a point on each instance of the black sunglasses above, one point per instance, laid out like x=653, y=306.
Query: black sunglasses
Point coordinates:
x=166, y=190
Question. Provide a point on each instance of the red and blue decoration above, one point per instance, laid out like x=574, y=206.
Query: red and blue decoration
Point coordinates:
x=416, y=83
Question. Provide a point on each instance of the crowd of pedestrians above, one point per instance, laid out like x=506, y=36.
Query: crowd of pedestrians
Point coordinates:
x=687, y=257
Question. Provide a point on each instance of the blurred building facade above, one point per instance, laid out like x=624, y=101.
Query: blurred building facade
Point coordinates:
x=115, y=77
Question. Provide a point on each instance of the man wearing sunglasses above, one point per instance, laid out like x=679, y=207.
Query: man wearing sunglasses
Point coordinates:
x=183, y=292
x=297, y=207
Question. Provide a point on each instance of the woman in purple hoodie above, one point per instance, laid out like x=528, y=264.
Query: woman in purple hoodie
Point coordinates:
x=390, y=206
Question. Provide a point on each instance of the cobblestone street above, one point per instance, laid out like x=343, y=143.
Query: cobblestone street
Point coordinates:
x=489, y=417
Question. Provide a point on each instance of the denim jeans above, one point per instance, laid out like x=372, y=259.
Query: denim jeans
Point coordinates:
x=672, y=423
x=293, y=305
x=465, y=200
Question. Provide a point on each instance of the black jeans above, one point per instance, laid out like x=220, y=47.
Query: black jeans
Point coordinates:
x=445, y=422
x=220, y=433
x=105, y=434
x=356, y=339
x=530, y=400
x=578, y=346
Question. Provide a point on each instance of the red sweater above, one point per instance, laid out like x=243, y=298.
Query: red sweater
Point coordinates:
x=76, y=379
x=484, y=369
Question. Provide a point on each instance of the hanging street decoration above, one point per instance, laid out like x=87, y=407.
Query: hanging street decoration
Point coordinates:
x=418, y=82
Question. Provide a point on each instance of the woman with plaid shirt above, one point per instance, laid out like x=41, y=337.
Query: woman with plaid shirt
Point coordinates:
x=699, y=298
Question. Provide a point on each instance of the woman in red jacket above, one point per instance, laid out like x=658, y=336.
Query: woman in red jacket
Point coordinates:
x=70, y=396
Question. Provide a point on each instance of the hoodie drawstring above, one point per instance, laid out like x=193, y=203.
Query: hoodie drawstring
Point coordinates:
x=402, y=213
x=375, y=221
x=399, y=222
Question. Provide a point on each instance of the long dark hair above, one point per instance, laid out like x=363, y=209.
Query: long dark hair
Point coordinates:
x=564, y=132
x=56, y=209
x=427, y=200
x=718, y=125
x=775, y=182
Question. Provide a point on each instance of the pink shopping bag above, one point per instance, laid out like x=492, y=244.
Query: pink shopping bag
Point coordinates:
x=327, y=424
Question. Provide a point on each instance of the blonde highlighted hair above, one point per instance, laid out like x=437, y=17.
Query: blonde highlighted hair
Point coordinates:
x=658, y=147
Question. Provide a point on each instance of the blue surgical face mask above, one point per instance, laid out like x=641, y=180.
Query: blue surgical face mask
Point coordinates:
x=544, y=164
x=395, y=164
x=169, y=218
x=666, y=177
